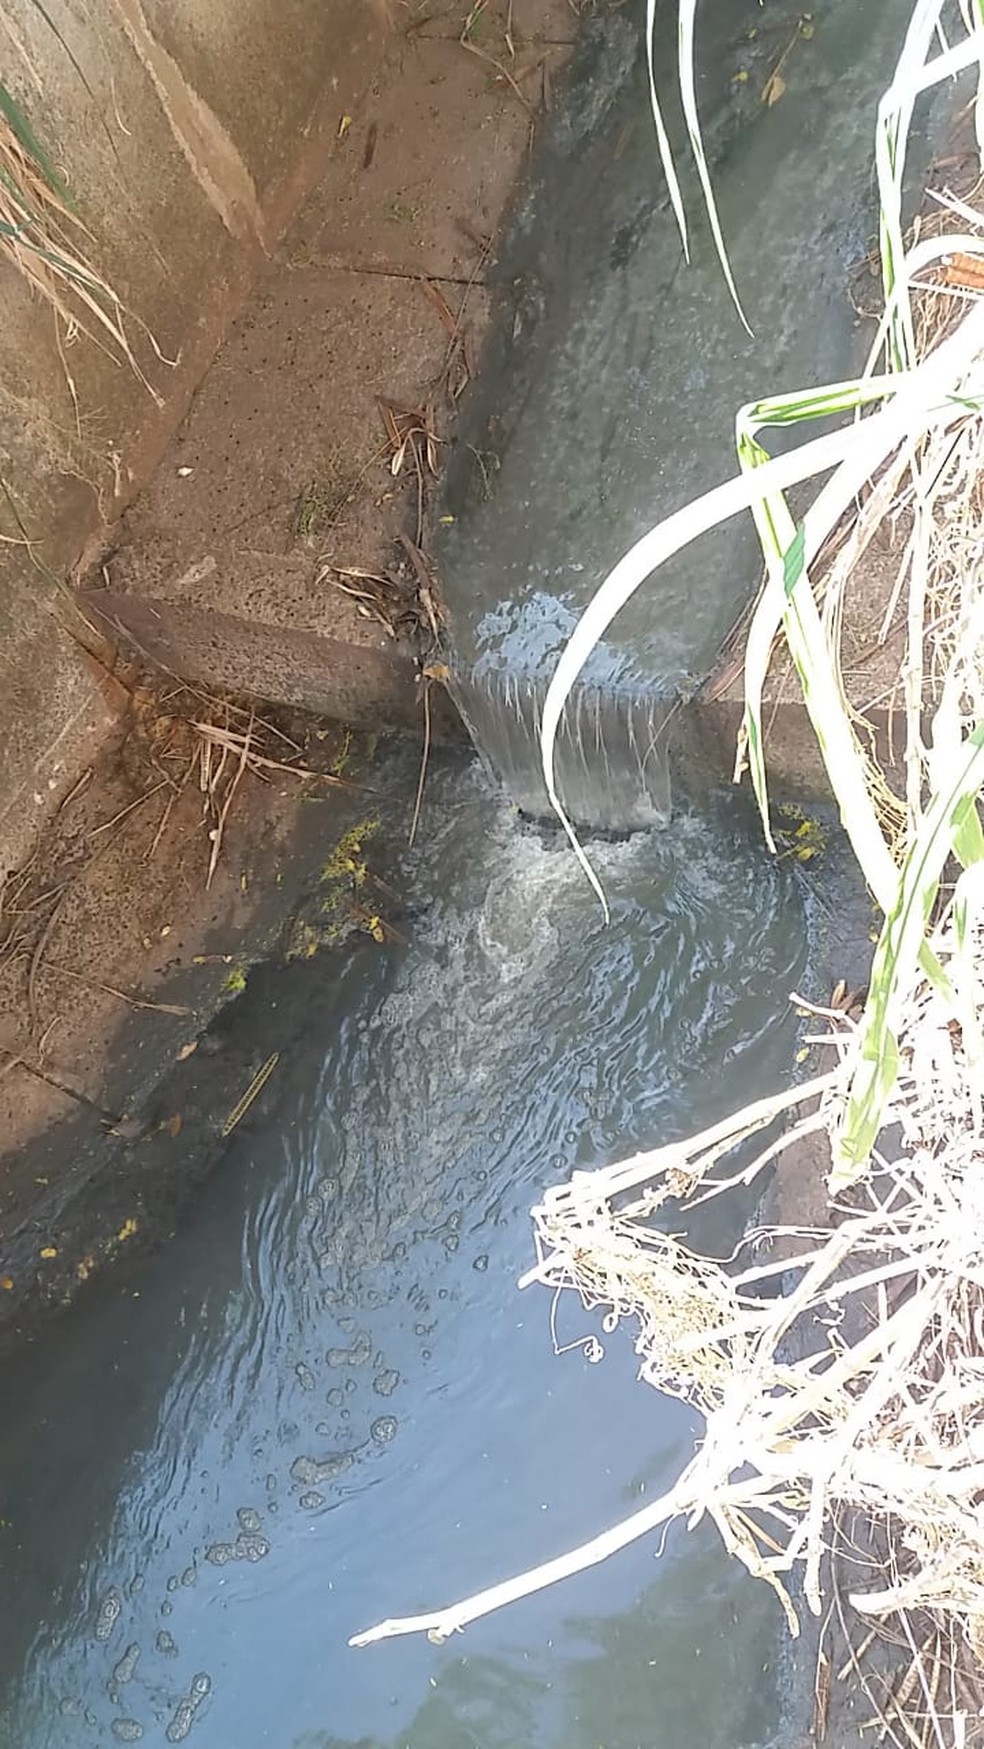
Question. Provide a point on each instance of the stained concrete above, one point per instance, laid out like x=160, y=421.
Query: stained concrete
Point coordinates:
x=185, y=152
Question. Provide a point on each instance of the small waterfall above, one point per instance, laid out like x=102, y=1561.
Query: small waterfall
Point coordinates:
x=611, y=756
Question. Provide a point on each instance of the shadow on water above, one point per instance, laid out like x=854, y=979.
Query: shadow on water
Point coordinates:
x=326, y=1402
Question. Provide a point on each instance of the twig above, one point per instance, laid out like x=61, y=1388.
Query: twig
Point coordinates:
x=423, y=763
x=255, y=1087
x=231, y=788
x=111, y=990
x=439, y=1624
x=503, y=72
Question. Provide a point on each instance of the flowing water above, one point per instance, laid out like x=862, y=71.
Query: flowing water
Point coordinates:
x=326, y=1401
x=618, y=370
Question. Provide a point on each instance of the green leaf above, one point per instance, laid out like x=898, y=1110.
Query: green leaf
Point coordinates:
x=28, y=140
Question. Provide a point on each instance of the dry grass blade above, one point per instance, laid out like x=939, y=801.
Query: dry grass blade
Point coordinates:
x=45, y=242
x=255, y=1087
x=224, y=755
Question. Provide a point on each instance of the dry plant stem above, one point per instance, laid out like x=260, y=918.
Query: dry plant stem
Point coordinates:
x=231, y=788
x=439, y=1624
x=255, y=1087
x=110, y=990
x=418, y=799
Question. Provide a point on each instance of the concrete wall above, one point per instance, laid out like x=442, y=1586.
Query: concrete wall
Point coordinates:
x=186, y=130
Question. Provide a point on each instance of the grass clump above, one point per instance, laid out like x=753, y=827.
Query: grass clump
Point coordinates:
x=46, y=242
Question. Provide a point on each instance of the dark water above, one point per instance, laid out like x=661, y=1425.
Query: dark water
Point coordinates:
x=326, y=1401
x=618, y=369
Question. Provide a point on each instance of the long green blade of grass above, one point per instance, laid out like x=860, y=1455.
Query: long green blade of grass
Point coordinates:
x=27, y=139
x=902, y=938
x=688, y=98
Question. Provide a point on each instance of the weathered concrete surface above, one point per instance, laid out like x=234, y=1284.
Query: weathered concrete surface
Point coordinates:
x=349, y=669
x=873, y=632
x=56, y=705
x=281, y=487
x=185, y=153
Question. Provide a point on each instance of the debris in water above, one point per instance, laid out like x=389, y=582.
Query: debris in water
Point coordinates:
x=110, y=1610
x=309, y=1472
x=123, y=1670
x=359, y=1354
x=255, y=1087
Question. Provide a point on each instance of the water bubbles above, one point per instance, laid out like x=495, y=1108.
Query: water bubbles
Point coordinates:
x=189, y=1576
x=481, y=1262
x=312, y=1500
x=183, y=1718
x=251, y=1548
x=305, y=1376
x=166, y=1644
x=127, y=1730
x=181, y=1722
x=248, y=1546
x=108, y=1614
x=383, y=1429
x=334, y=1398
x=310, y=1472
x=385, y=1383
x=358, y=1355
x=249, y=1519
x=124, y=1668
x=173, y=1582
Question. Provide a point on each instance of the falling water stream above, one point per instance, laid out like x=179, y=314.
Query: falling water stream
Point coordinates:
x=326, y=1401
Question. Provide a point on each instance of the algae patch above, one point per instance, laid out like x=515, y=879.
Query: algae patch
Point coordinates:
x=339, y=909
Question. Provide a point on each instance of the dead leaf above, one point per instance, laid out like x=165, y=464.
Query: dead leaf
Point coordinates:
x=49, y=1251
x=173, y=1125
x=775, y=87
x=186, y=1050
x=6, y=1282
x=128, y=1229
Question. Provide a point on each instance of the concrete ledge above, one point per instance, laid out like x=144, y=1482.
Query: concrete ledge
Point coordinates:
x=367, y=681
